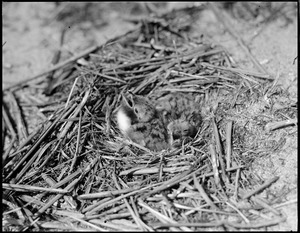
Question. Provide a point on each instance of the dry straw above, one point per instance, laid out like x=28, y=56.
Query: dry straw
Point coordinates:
x=77, y=169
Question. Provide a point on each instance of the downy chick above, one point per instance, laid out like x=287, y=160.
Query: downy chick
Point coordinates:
x=139, y=120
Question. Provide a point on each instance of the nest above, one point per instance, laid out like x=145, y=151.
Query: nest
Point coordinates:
x=76, y=171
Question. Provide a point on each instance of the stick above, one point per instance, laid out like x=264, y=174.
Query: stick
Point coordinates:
x=280, y=124
x=262, y=187
x=228, y=147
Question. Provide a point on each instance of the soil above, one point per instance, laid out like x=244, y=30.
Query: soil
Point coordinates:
x=31, y=34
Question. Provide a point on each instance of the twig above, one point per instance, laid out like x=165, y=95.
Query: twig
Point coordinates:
x=272, y=222
x=214, y=162
x=191, y=54
x=71, y=92
x=113, y=226
x=16, y=111
x=14, y=208
x=99, y=207
x=75, y=113
x=189, y=90
x=138, y=215
x=107, y=76
x=57, y=197
x=261, y=187
x=107, y=216
x=90, y=209
x=41, y=152
x=236, y=187
x=219, y=150
x=137, y=220
x=13, y=133
x=152, y=46
x=48, y=128
x=175, y=180
x=239, y=212
x=286, y=203
x=26, y=188
x=87, y=223
x=203, y=193
x=110, y=211
x=230, y=169
x=228, y=143
x=263, y=203
x=56, y=185
x=259, y=213
x=153, y=170
x=26, y=141
x=280, y=124
x=105, y=194
x=238, y=71
x=162, y=218
x=77, y=143
x=68, y=188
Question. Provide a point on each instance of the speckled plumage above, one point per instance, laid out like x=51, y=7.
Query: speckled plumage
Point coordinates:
x=159, y=124
x=181, y=114
x=144, y=124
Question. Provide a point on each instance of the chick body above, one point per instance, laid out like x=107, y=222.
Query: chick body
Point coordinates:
x=181, y=114
x=139, y=120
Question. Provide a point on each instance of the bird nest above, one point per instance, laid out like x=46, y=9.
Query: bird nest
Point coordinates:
x=76, y=171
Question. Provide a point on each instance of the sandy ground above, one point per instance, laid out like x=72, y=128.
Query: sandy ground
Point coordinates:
x=31, y=35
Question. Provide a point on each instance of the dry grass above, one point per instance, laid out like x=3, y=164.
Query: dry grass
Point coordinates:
x=76, y=172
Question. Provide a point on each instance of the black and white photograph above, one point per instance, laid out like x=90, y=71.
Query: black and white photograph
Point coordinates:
x=150, y=116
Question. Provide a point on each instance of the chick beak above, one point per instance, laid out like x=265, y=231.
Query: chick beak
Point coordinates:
x=128, y=100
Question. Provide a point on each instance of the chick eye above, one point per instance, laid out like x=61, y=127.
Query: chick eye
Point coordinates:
x=185, y=132
x=136, y=110
x=130, y=103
